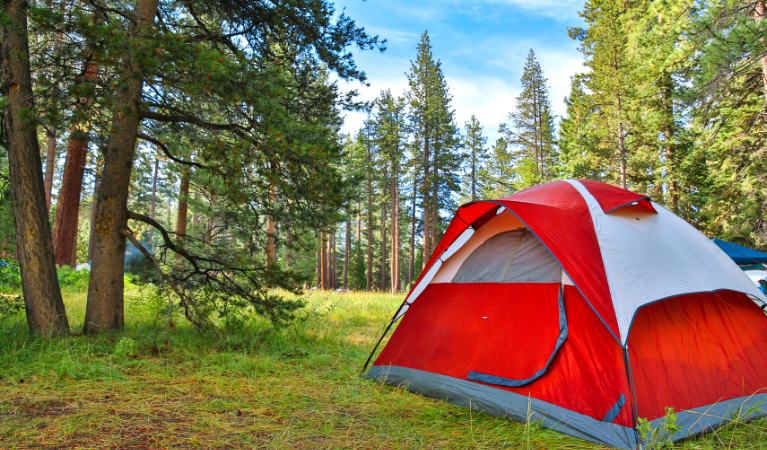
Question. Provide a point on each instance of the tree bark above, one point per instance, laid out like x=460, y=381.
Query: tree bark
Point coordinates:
x=395, y=282
x=50, y=166
x=105, y=308
x=473, y=173
x=68, y=205
x=92, y=236
x=621, y=136
x=4, y=246
x=411, y=262
x=383, y=241
x=426, y=203
x=324, y=261
x=288, y=242
x=622, y=151
x=317, y=265
x=50, y=154
x=332, y=259
x=183, y=213
x=348, y=250
x=358, y=233
x=370, y=229
x=669, y=140
x=42, y=297
x=434, y=206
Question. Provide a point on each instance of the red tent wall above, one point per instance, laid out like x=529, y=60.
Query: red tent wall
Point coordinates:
x=442, y=330
x=697, y=350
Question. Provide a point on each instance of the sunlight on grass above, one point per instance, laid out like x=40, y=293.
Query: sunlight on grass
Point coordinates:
x=254, y=387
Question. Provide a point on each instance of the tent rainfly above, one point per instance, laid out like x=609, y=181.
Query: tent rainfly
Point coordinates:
x=591, y=302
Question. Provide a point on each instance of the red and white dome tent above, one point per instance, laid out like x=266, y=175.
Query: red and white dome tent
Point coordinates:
x=596, y=304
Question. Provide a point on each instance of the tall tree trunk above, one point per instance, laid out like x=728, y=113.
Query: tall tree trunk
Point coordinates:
x=383, y=245
x=153, y=203
x=370, y=230
x=183, y=213
x=426, y=203
x=395, y=283
x=50, y=154
x=4, y=246
x=621, y=135
x=42, y=297
x=348, y=250
x=68, y=205
x=271, y=247
x=324, y=260
x=622, y=152
x=669, y=141
x=105, y=307
x=50, y=165
x=358, y=233
x=332, y=258
x=434, y=206
x=288, y=242
x=473, y=174
x=318, y=264
x=92, y=236
x=411, y=262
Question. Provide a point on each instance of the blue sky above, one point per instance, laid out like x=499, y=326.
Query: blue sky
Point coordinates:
x=482, y=44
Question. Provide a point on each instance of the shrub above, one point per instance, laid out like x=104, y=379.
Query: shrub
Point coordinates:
x=10, y=277
x=71, y=278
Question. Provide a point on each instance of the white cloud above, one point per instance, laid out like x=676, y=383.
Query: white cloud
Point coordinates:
x=488, y=94
x=483, y=74
x=489, y=98
x=553, y=9
x=388, y=73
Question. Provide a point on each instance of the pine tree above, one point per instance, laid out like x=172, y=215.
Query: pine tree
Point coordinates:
x=433, y=124
x=532, y=129
x=474, y=143
x=726, y=102
x=604, y=44
x=44, y=306
x=500, y=171
x=390, y=138
x=577, y=144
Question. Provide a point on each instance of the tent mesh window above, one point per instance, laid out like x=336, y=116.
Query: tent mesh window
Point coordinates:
x=510, y=257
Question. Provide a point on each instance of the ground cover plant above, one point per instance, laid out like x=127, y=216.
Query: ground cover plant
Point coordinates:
x=160, y=384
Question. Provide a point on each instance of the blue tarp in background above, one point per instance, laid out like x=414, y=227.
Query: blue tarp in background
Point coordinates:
x=740, y=254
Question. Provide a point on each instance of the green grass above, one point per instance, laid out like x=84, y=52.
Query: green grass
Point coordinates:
x=254, y=387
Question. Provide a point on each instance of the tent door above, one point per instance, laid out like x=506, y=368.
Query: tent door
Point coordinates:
x=521, y=335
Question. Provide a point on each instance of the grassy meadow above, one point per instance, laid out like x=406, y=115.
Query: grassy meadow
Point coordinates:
x=157, y=386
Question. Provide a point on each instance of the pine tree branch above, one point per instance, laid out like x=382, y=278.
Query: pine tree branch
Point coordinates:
x=188, y=310
x=165, y=150
x=185, y=118
x=165, y=237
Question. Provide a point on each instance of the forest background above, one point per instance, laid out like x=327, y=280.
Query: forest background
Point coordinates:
x=215, y=130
